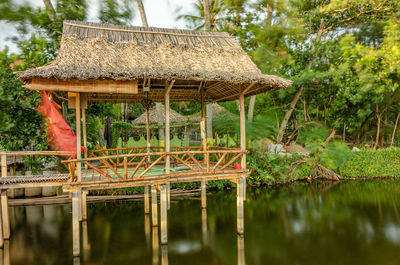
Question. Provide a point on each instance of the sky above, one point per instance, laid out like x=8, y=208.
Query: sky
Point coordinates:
x=160, y=13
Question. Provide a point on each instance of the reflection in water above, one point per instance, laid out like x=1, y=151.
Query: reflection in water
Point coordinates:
x=319, y=223
x=240, y=245
x=155, y=245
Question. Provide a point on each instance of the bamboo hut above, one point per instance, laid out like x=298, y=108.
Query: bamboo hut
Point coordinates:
x=174, y=117
x=113, y=63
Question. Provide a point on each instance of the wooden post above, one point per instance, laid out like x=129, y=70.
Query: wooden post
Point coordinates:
x=3, y=165
x=4, y=215
x=146, y=200
x=78, y=150
x=164, y=206
x=75, y=225
x=240, y=206
x=1, y=234
x=146, y=188
x=204, y=144
x=84, y=205
x=243, y=135
x=167, y=136
x=84, y=134
x=154, y=208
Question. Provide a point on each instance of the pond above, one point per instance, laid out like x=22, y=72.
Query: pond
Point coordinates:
x=352, y=222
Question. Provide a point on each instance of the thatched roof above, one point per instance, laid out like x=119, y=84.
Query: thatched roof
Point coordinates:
x=174, y=117
x=93, y=51
x=217, y=112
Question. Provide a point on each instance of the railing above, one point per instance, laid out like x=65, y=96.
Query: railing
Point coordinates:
x=129, y=164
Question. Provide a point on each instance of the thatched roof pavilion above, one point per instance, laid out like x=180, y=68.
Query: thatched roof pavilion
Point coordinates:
x=174, y=117
x=111, y=63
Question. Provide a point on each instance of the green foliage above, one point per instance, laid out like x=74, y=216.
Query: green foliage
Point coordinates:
x=21, y=125
x=373, y=163
x=120, y=128
x=116, y=12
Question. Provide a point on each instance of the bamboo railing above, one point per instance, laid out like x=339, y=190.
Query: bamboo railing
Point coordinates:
x=130, y=164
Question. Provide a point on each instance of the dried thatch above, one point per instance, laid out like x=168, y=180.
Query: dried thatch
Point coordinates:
x=92, y=51
x=217, y=112
x=174, y=117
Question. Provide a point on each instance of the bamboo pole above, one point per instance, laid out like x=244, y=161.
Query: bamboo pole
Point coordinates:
x=1, y=234
x=204, y=143
x=154, y=207
x=243, y=135
x=78, y=136
x=84, y=205
x=84, y=133
x=4, y=215
x=164, y=209
x=146, y=200
x=167, y=137
x=75, y=225
x=6, y=255
x=3, y=165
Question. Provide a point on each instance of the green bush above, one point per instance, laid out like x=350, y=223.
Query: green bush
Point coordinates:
x=373, y=163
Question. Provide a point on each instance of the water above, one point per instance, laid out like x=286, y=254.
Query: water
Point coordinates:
x=354, y=222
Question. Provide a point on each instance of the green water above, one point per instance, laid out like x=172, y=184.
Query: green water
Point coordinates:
x=321, y=223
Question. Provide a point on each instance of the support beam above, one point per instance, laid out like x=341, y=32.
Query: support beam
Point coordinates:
x=4, y=215
x=154, y=208
x=164, y=207
x=6, y=255
x=168, y=87
x=78, y=135
x=146, y=200
x=243, y=134
x=204, y=144
x=1, y=234
x=84, y=134
x=75, y=225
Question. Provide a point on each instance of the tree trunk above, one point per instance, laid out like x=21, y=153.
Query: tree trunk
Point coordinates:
x=330, y=137
x=251, y=108
x=287, y=115
x=378, y=131
x=52, y=12
x=395, y=128
x=142, y=13
x=207, y=18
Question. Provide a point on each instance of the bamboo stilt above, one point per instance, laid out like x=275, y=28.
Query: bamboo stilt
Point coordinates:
x=146, y=200
x=164, y=208
x=84, y=205
x=243, y=135
x=4, y=215
x=203, y=194
x=147, y=229
x=154, y=208
x=75, y=225
x=1, y=234
x=168, y=87
x=84, y=134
